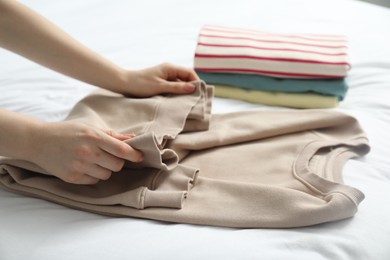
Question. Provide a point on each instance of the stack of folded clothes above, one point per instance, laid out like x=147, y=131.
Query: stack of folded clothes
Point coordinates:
x=291, y=70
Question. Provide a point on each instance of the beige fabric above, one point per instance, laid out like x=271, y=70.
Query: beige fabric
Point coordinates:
x=248, y=169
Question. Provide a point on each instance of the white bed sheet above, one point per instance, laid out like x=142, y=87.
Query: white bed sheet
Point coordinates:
x=138, y=34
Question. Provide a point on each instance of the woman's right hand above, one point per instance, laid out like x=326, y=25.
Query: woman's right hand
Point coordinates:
x=80, y=154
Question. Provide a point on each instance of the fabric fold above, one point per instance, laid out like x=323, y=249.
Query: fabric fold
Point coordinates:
x=154, y=156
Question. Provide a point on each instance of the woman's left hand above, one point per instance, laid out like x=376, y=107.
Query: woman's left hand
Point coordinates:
x=163, y=78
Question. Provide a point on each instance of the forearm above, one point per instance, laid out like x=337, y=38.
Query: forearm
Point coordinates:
x=30, y=35
x=16, y=134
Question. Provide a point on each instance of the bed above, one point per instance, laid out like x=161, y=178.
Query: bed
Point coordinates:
x=139, y=34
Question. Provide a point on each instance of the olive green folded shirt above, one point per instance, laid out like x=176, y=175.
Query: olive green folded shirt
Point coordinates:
x=331, y=87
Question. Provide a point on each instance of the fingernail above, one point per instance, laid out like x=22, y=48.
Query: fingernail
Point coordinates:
x=189, y=88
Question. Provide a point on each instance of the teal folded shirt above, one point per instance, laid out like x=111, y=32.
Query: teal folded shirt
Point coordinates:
x=333, y=87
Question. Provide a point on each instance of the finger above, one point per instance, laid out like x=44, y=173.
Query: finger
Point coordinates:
x=121, y=137
x=82, y=179
x=186, y=74
x=110, y=162
x=87, y=173
x=179, y=87
x=119, y=149
x=87, y=180
x=98, y=172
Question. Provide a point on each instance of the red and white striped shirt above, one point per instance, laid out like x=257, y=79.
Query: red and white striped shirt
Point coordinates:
x=232, y=50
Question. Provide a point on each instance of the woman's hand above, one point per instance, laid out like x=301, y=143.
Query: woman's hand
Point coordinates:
x=39, y=40
x=163, y=78
x=80, y=154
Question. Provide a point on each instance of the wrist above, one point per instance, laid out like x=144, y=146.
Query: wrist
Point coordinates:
x=127, y=80
x=17, y=135
x=119, y=81
x=123, y=81
x=32, y=140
